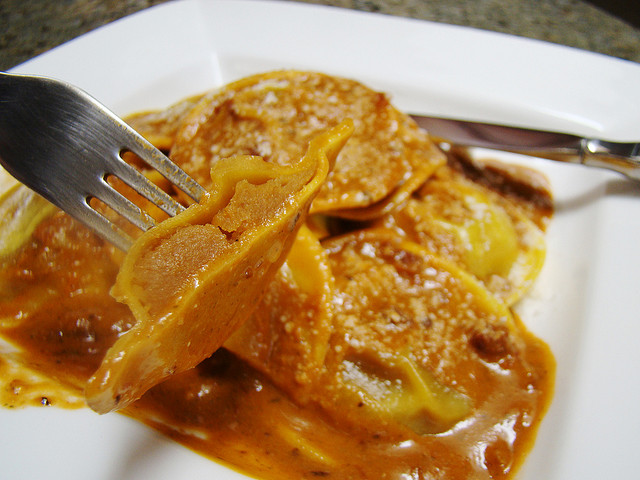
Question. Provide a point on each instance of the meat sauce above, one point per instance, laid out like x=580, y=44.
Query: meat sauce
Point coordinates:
x=373, y=354
x=56, y=309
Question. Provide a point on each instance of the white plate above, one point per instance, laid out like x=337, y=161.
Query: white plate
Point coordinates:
x=587, y=300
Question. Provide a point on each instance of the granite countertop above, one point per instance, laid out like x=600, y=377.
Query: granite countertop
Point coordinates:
x=31, y=27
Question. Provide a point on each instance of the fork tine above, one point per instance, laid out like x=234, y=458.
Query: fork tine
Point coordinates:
x=169, y=170
x=145, y=187
x=122, y=205
x=104, y=227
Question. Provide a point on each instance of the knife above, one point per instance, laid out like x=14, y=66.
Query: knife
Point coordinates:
x=617, y=156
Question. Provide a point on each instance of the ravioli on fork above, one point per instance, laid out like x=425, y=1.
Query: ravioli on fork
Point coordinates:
x=194, y=279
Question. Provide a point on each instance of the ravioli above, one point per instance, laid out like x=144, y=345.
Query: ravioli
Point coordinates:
x=287, y=336
x=192, y=280
x=160, y=126
x=21, y=210
x=470, y=225
x=405, y=321
x=275, y=114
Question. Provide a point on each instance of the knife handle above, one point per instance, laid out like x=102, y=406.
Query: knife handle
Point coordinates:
x=620, y=157
x=617, y=156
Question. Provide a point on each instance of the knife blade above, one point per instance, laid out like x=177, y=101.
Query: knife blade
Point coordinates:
x=620, y=157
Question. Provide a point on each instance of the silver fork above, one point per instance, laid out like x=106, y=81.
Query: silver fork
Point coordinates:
x=63, y=144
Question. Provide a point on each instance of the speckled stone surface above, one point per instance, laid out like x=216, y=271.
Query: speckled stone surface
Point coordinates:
x=31, y=27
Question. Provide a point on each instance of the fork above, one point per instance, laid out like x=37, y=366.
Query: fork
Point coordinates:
x=64, y=145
